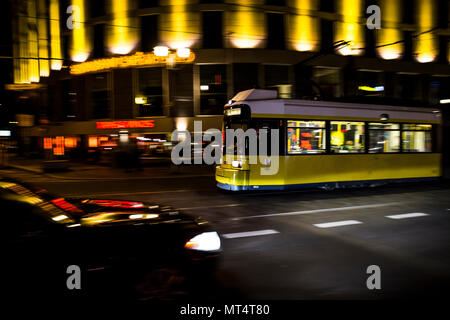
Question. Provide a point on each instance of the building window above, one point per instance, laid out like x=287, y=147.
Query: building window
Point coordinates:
x=408, y=87
x=328, y=80
x=149, y=32
x=211, y=1
x=416, y=138
x=347, y=137
x=275, y=31
x=370, y=83
x=213, y=88
x=443, y=13
x=148, y=3
x=327, y=5
x=69, y=99
x=408, y=11
x=439, y=89
x=277, y=77
x=212, y=29
x=276, y=2
x=306, y=137
x=97, y=8
x=384, y=137
x=149, y=98
x=99, y=41
x=245, y=76
x=99, y=96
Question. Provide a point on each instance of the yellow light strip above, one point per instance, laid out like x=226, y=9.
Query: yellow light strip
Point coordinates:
x=80, y=45
x=245, y=26
x=426, y=44
x=122, y=34
x=138, y=59
x=390, y=30
x=303, y=29
x=350, y=29
x=180, y=27
x=33, y=64
x=55, y=40
x=44, y=65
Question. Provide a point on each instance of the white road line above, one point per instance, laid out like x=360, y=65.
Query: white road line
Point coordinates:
x=123, y=193
x=337, y=223
x=367, y=206
x=249, y=234
x=407, y=215
x=217, y=206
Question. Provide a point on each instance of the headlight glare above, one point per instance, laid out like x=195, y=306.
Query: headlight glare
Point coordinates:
x=206, y=241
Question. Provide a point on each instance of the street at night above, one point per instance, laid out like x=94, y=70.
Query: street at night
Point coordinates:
x=275, y=246
x=225, y=158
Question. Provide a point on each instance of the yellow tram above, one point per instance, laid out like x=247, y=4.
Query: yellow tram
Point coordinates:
x=332, y=144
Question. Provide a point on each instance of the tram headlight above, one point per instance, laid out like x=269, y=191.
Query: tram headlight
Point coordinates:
x=236, y=164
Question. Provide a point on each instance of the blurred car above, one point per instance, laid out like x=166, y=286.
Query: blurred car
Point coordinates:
x=127, y=248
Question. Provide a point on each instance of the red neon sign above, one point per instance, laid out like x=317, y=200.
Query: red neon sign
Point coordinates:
x=126, y=124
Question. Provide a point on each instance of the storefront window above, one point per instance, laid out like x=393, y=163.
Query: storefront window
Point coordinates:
x=416, y=138
x=329, y=81
x=347, y=137
x=213, y=88
x=384, y=137
x=149, y=99
x=306, y=137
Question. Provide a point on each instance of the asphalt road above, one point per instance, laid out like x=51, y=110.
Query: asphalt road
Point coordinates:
x=308, y=244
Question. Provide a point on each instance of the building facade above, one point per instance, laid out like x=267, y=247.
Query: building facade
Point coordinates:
x=88, y=70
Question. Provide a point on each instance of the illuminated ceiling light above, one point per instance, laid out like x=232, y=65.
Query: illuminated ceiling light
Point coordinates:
x=183, y=52
x=161, y=51
x=124, y=49
x=303, y=47
x=384, y=117
x=245, y=43
x=444, y=101
x=390, y=54
x=204, y=87
x=425, y=58
x=80, y=57
x=140, y=100
x=181, y=124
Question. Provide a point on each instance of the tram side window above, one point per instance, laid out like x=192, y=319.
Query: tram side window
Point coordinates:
x=306, y=137
x=384, y=137
x=347, y=137
x=416, y=138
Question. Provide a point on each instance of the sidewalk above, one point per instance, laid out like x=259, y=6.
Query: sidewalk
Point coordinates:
x=81, y=171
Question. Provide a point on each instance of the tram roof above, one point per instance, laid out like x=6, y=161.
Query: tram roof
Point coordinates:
x=265, y=103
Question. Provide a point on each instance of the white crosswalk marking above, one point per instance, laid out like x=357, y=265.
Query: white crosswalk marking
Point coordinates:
x=249, y=234
x=407, y=215
x=337, y=223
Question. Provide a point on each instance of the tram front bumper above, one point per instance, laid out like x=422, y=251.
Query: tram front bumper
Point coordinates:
x=231, y=179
